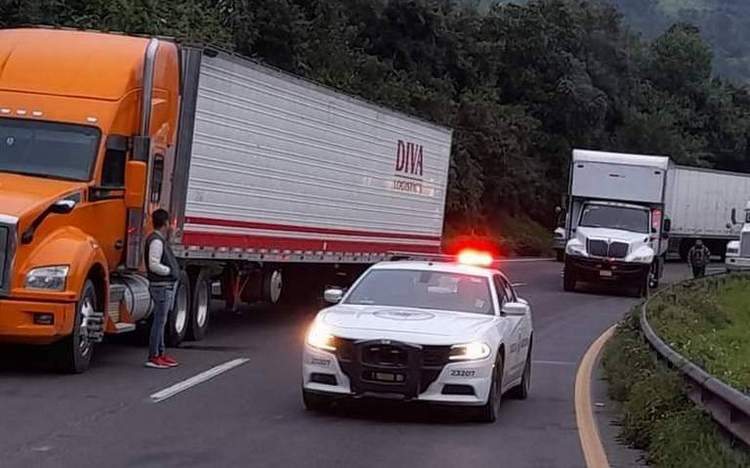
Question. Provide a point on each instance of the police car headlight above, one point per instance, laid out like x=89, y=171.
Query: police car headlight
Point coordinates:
x=470, y=351
x=49, y=278
x=319, y=337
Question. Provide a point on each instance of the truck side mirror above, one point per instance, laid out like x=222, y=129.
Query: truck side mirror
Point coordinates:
x=135, y=184
x=734, y=216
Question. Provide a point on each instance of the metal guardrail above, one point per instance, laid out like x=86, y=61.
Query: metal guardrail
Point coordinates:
x=727, y=406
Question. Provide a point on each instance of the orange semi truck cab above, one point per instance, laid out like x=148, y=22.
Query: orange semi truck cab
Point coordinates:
x=88, y=122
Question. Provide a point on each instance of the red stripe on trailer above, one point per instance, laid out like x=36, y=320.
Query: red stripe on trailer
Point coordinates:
x=203, y=239
x=307, y=229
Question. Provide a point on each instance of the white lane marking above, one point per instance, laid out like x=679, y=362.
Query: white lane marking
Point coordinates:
x=524, y=260
x=555, y=363
x=518, y=285
x=179, y=387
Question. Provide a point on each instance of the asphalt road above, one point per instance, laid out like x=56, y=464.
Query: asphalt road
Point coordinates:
x=252, y=415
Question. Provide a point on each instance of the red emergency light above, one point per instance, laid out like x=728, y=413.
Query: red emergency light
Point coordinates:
x=474, y=257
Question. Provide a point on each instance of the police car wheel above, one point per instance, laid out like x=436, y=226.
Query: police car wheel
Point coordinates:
x=521, y=391
x=315, y=401
x=488, y=412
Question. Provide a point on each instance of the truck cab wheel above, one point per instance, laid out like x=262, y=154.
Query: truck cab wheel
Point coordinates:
x=73, y=354
x=569, y=280
x=177, y=319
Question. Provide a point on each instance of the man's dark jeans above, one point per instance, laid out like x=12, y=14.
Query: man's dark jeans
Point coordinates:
x=699, y=271
x=161, y=295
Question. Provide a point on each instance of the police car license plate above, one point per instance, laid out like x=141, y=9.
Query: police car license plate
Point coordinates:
x=605, y=273
x=386, y=377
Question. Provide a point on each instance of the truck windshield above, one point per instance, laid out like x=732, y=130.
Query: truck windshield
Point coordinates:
x=47, y=149
x=424, y=290
x=615, y=217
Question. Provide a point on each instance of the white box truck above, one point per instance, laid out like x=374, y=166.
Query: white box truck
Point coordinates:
x=616, y=230
x=738, y=249
x=699, y=203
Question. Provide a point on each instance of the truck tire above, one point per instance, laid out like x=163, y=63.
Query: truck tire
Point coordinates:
x=644, y=285
x=200, y=306
x=488, y=412
x=569, y=280
x=559, y=255
x=272, y=286
x=177, y=319
x=73, y=354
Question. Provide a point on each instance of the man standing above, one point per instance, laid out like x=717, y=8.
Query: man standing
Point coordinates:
x=698, y=258
x=163, y=270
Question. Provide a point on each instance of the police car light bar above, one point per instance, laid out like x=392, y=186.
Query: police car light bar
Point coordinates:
x=472, y=257
x=475, y=258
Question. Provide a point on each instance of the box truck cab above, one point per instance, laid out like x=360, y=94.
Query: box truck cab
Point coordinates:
x=616, y=228
x=738, y=251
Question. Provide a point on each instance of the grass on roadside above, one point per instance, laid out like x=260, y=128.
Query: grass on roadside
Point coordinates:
x=709, y=323
x=657, y=415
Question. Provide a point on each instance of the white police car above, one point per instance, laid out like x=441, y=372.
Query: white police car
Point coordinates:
x=440, y=332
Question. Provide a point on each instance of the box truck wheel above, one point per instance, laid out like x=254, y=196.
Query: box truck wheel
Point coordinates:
x=73, y=354
x=643, y=285
x=199, y=306
x=569, y=279
x=177, y=320
x=559, y=255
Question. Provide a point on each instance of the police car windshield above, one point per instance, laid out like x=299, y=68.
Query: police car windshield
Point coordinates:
x=424, y=290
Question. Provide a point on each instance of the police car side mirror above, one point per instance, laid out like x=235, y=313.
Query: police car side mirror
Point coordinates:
x=333, y=295
x=514, y=309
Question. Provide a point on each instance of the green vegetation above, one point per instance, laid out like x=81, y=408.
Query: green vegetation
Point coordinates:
x=657, y=415
x=521, y=85
x=725, y=24
x=709, y=323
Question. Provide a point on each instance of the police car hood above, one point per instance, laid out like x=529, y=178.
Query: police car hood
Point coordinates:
x=401, y=323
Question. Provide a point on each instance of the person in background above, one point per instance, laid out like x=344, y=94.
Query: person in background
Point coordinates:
x=698, y=257
x=162, y=270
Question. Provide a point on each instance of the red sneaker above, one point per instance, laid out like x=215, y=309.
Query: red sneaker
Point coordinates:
x=156, y=363
x=169, y=361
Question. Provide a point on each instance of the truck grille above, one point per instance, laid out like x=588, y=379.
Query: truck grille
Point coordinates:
x=602, y=248
x=745, y=244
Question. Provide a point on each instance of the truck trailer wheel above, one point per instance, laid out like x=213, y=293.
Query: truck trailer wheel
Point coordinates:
x=199, y=307
x=73, y=354
x=177, y=320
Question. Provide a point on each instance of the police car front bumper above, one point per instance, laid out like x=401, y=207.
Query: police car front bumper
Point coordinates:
x=423, y=376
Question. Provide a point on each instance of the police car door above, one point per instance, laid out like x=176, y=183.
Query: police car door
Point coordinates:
x=514, y=359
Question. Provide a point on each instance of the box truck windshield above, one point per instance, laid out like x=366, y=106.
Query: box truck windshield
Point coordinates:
x=46, y=149
x=615, y=217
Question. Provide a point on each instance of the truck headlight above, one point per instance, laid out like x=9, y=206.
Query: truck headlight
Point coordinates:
x=318, y=337
x=470, y=351
x=643, y=258
x=49, y=278
x=576, y=250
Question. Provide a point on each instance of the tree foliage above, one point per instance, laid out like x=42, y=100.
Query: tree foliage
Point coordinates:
x=520, y=85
